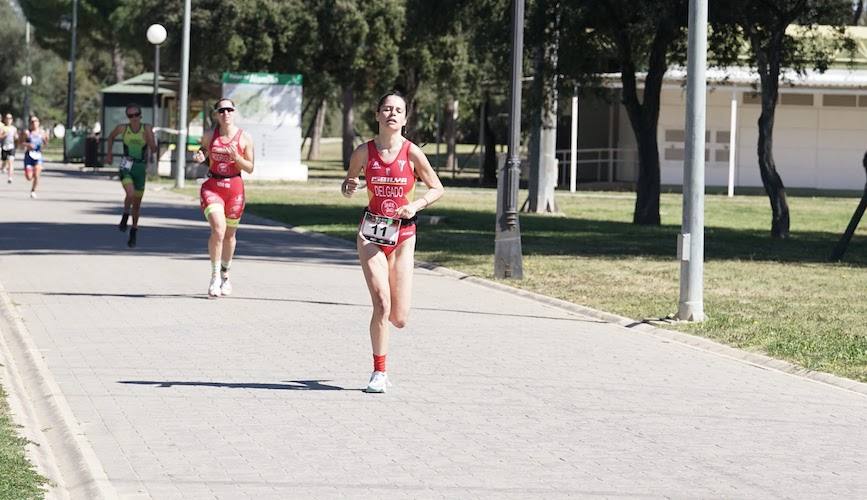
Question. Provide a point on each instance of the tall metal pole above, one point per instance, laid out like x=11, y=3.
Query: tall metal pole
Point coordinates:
x=573, y=145
x=507, y=245
x=690, y=307
x=27, y=78
x=185, y=76
x=156, y=114
x=70, y=93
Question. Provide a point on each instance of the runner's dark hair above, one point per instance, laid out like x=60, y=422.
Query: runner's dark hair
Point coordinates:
x=217, y=104
x=385, y=96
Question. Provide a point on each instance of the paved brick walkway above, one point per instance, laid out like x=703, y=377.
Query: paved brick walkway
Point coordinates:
x=495, y=395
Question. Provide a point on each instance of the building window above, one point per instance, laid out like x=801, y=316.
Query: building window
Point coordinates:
x=862, y=101
x=796, y=99
x=840, y=100
x=674, y=154
x=674, y=147
x=675, y=136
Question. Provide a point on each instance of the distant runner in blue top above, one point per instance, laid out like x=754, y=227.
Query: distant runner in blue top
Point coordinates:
x=34, y=139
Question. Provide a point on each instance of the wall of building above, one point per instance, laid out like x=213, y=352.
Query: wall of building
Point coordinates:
x=819, y=138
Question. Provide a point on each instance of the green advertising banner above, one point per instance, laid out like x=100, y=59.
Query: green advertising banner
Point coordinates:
x=268, y=107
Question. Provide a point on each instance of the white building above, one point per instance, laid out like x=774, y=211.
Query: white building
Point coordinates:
x=820, y=131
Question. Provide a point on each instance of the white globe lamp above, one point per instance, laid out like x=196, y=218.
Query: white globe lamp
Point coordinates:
x=156, y=34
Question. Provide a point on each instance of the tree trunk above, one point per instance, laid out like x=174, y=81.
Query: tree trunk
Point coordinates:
x=767, y=167
x=348, y=126
x=644, y=118
x=534, y=149
x=543, y=155
x=548, y=167
x=545, y=169
x=768, y=66
x=411, y=88
x=451, y=119
x=647, y=187
x=489, y=170
x=119, y=63
x=316, y=135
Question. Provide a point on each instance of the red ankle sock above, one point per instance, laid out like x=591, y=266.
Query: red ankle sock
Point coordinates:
x=379, y=363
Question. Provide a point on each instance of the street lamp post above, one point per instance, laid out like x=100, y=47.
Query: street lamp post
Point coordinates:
x=690, y=306
x=27, y=80
x=185, y=77
x=70, y=97
x=156, y=35
x=507, y=243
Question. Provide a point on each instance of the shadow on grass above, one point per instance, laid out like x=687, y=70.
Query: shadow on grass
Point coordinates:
x=471, y=232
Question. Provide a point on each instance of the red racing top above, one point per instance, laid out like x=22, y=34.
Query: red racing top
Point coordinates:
x=389, y=185
x=221, y=162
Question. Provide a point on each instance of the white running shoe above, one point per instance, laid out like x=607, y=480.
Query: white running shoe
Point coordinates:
x=225, y=286
x=33, y=194
x=378, y=383
x=214, y=287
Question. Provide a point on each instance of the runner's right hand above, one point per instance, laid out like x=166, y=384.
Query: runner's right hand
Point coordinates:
x=108, y=158
x=349, y=186
x=198, y=156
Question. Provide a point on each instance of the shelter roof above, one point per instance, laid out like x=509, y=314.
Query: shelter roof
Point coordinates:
x=144, y=84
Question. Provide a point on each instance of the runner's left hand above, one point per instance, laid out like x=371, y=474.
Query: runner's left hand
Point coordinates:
x=405, y=212
x=233, y=152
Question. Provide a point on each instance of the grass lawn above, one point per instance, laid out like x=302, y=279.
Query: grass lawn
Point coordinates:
x=18, y=479
x=777, y=297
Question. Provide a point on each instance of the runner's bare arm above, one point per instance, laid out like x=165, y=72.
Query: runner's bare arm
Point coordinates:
x=356, y=165
x=202, y=154
x=109, y=142
x=428, y=175
x=245, y=161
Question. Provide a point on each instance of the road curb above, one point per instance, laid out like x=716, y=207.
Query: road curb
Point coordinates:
x=61, y=451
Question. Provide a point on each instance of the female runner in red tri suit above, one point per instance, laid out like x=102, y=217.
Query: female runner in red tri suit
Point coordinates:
x=229, y=151
x=390, y=164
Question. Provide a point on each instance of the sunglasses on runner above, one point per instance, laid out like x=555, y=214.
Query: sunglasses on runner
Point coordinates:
x=133, y=115
x=226, y=110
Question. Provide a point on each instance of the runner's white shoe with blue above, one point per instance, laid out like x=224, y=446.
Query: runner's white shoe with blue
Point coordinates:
x=214, y=287
x=225, y=286
x=378, y=383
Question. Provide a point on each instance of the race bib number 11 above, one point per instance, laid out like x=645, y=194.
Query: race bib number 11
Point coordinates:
x=380, y=230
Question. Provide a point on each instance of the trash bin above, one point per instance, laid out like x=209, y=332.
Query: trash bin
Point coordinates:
x=74, y=145
x=91, y=150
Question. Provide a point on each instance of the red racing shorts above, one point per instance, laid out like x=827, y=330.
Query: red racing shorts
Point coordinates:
x=407, y=231
x=226, y=195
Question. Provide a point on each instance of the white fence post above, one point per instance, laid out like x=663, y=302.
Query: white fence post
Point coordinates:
x=573, y=158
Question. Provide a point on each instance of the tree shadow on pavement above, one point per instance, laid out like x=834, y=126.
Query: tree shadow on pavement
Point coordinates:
x=292, y=385
x=273, y=243
x=498, y=314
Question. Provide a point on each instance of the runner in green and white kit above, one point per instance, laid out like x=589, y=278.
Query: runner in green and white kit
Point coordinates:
x=138, y=142
x=8, y=141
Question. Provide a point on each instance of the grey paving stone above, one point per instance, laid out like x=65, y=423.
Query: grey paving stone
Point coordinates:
x=496, y=395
